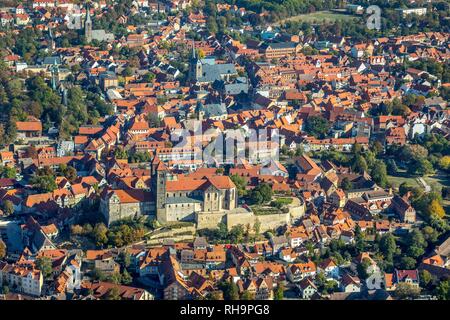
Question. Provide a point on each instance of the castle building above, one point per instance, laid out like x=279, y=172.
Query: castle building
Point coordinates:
x=118, y=204
x=172, y=197
x=179, y=198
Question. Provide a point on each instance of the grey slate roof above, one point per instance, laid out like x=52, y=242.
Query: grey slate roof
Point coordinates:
x=179, y=200
x=215, y=110
x=52, y=60
x=236, y=88
x=282, y=45
x=215, y=72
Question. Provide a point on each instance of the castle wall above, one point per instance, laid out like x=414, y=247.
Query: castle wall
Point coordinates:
x=271, y=221
x=267, y=222
x=118, y=211
x=207, y=220
x=297, y=209
x=182, y=211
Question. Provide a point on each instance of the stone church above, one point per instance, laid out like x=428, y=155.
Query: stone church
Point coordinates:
x=95, y=34
x=179, y=198
x=172, y=197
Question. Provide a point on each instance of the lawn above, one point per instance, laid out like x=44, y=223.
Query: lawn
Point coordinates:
x=283, y=201
x=397, y=180
x=439, y=179
x=264, y=210
x=321, y=17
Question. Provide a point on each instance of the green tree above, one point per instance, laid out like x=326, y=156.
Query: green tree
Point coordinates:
x=262, y=193
x=420, y=167
x=70, y=173
x=388, y=246
x=240, y=184
x=222, y=230
x=257, y=226
x=279, y=292
x=430, y=234
x=115, y=277
x=126, y=277
x=45, y=183
x=413, y=152
x=215, y=295
x=444, y=163
x=97, y=274
x=443, y=290
x=114, y=294
x=256, y=197
x=237, y=233
x=379, y=173
x=404, y=188
x=391, y=166
x=7, y=207
x=127, y=72
x=377, y=147
x=8, y=172
x=230, y=290
x=317, y=126
x=435, y=209
x=87, y=229
x=425, y=278
x=362, y=269
x=360, y=243
x=211, y=25
x=100, y=234
x=407, y=291
x=148, y=77
x=360, y=164
x=346, y=184
x=153, y=120
x=408, y=263
x=247, y=295
x=3, y=250
x=125, y=259
x=416, y=244
x=44, y=264
x=298, y=151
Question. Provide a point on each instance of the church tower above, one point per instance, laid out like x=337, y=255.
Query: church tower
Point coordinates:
x=88, y=26
x=55, y=75
x=159, y=177
x=195, y=66
x=200, y=111
x=52, y=40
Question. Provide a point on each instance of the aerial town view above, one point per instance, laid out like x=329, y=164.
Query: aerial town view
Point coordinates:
x=224, y=150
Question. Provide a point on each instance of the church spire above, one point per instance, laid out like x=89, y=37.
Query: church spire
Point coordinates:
x=195, y=65
x=88, y=25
